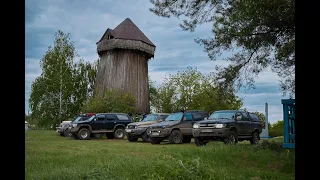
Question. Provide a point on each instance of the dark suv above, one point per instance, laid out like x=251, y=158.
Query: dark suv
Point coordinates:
x=138, y=130
x=111, y=124
x=177, y=127
x=229, y=126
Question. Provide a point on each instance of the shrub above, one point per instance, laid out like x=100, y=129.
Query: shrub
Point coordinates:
x=112, y=101
x=277, y=129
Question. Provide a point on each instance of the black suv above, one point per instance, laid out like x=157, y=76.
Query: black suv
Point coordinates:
x=177, y=127
x=229, y=126
x=111, y=124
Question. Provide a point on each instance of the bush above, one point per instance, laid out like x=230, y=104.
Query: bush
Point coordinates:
x=276, y=129
x=112, y=101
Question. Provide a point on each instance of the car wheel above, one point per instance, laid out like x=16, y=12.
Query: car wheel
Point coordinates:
x=67, y=133
x=84, y=134
x=175, y=137
x=132, y=139
x=145, y=137
x=231, y=139
x=155, y=141
x=119, y=133
x=255, y=138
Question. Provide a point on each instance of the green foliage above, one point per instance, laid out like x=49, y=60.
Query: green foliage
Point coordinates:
x=190, y=89
x=260, y=33
x=277, y=129
x=63, y=86
x=112, y=101
x=50, y=156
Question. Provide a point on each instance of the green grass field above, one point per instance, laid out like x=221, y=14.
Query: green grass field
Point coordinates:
x=50, y=156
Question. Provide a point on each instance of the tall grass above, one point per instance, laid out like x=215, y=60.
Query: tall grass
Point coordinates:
x=50, y=156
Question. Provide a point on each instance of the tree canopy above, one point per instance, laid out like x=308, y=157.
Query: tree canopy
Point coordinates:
x=190, y=89
x=260, y=33
x=64, y=85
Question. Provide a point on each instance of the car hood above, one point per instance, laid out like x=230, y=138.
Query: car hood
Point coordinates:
x=165, y=123
x=215, y=121
x=65, y=122
x=143, y=123
x=81, y=122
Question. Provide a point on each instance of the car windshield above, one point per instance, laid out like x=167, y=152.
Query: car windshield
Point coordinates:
x=77, y=119
x=222, y=115
x=174, y=117
x=91, y=118
x=150, y=117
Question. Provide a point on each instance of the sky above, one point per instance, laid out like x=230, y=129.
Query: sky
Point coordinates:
x=87, y=20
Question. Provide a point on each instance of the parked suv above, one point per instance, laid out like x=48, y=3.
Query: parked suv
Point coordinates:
x=111, y=124
x=63, y=128
x=177, y=127
x=229, y=126
x=138, y=129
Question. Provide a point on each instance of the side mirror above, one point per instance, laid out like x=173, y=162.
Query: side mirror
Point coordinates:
x=238, y=118
x=205, y=118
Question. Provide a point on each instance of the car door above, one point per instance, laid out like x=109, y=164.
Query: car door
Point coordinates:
x=111, y=121
x=240, y=124
x=246, y=123
x=186, y=124
x=99, y=122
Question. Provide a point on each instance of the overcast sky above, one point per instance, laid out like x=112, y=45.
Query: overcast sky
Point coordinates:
x=87, y=20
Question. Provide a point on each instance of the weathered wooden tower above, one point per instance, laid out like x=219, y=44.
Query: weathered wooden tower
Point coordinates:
x=124, y=53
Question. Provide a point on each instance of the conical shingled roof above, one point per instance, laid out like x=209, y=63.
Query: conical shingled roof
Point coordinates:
x=128, y=30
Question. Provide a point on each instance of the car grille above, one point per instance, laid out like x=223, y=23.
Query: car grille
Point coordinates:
x=207, y=125
x=156, y=127
x=131, y=126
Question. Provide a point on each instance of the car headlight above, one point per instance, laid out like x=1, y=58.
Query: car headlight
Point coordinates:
x=196, y=126
x=220, y=125
x=74, y=125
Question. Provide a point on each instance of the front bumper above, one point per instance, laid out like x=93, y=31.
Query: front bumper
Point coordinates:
x=159, y=133
x=59, y=129
x=210, y=132
x=135, y=132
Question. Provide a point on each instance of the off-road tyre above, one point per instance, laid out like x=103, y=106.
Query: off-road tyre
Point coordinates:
x=145, y=137
x=255, y=138
x=83, y=134
x=119, y=133
x=175, y=137
x=231, y=139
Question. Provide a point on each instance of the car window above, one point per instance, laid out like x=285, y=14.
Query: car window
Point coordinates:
x=111, y=117
x=101, y=117
x=254, y=117
x=245, y=116
x=197, y=116
x=239, y=114
x=187, y=117
x=122, y=117
x=163, y=117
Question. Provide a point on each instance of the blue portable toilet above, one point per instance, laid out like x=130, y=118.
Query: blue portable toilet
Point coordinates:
x=288, y=121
